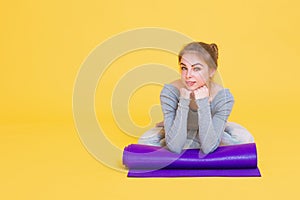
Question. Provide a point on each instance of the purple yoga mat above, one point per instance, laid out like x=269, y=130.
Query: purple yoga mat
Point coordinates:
x=230, y=161
x=194, y=173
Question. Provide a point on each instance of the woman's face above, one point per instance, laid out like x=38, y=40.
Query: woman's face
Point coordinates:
x=195, y=73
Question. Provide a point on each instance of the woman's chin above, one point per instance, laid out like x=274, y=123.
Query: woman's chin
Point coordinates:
x=191, y=88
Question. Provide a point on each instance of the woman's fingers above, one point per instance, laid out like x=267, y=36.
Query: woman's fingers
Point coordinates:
x=201, y=92
x=185, y=93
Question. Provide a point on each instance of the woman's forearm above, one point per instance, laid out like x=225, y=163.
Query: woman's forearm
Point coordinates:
x=176, y=126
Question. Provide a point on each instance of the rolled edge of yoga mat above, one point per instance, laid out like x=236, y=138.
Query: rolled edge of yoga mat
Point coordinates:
x=243, y=156
x=194, y=173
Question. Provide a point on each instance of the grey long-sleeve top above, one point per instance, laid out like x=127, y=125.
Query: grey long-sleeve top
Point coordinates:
x=186, y=128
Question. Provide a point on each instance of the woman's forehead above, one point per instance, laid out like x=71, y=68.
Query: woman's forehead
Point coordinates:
x=192, y=58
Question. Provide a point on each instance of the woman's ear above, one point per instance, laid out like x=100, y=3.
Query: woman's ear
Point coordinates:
x=212, y=73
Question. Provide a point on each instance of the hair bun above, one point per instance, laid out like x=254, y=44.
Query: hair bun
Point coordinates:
x=214, y=47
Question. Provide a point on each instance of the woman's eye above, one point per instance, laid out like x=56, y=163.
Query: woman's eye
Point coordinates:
x=197, y=69
x=183, y=68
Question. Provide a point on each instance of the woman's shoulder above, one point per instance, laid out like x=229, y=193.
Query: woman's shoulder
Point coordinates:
x=219, y=93
x=216, y=89
x=172, y=88
x=177, y=84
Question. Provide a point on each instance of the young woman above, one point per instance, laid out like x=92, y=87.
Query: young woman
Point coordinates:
x=195, y=108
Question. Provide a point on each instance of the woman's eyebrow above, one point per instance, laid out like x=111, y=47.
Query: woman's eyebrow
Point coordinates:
x=197, y=64
x=192, y=65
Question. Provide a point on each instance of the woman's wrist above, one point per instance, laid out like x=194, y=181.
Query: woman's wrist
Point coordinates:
x=202, y=103
x=184, y=103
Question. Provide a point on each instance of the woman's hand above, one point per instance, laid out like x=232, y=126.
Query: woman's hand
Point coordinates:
x=185, y=93
x=201, y=92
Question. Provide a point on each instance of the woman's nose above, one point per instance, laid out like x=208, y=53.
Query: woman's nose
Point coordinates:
x=188, y=74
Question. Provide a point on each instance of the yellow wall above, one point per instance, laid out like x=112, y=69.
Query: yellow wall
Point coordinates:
x=44, y=43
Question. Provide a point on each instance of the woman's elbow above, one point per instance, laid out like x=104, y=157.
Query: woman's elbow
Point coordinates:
x=208, y=149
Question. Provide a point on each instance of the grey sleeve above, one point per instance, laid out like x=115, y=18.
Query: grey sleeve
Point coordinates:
x=175, y=110
x=212, y=125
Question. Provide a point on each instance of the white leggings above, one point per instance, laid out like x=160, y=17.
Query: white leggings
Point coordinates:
x=233, y=134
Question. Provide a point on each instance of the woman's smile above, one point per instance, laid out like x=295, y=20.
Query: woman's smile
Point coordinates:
x=190, y=83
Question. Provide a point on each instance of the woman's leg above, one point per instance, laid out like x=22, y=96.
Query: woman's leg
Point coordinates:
x=153, y=137
x=236, y=134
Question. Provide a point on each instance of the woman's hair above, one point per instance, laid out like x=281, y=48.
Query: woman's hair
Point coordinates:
x=208, y=52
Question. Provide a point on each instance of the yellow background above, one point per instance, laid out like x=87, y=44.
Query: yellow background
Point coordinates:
x=43, y=45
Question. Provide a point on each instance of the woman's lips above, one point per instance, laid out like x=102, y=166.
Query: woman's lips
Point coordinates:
x=190, y=83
